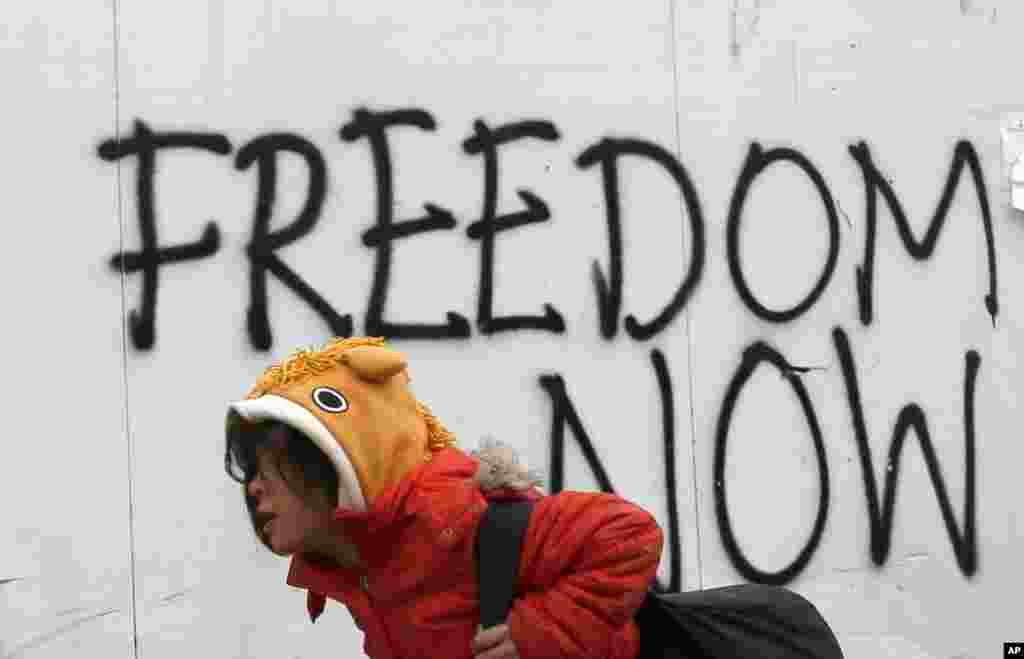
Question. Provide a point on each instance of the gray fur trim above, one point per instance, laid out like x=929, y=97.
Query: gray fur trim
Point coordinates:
x=500, y=468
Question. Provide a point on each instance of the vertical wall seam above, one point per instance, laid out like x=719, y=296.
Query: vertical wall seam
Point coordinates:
x=124, y=336
x=686, y=313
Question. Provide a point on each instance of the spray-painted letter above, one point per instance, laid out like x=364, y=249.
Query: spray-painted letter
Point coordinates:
x=264, y=152
x=609, y=295
x=373, y=126
x=145, y=144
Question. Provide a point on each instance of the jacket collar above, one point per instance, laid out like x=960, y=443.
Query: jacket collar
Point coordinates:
x=437, y=491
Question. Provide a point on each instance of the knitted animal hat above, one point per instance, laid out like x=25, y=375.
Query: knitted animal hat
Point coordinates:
x=352, y=399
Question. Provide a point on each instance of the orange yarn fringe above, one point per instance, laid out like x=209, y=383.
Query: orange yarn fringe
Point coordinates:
x=305, y=364
x=438, y=437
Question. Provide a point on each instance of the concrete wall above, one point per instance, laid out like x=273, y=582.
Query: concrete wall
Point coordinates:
x=801, y=213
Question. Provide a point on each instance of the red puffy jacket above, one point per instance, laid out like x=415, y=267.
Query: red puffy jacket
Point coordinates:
x=588, y=559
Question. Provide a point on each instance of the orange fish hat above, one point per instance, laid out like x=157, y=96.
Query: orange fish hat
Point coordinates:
x=352, y=399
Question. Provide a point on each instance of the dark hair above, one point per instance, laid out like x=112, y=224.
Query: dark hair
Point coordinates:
x=244, y=439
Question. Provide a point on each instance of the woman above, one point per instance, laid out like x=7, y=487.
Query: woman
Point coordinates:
x=354, y=479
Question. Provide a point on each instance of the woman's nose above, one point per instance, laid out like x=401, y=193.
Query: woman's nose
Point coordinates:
x=255, y=487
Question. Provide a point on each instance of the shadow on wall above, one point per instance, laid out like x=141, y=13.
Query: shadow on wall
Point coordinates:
x=870, y=646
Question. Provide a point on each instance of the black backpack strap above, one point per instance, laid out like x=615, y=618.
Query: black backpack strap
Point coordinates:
x=499, y=543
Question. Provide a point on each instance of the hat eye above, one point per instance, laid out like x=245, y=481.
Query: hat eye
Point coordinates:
x=329, y=400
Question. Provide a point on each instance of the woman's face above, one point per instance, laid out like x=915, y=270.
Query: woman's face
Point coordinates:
x=287, y=523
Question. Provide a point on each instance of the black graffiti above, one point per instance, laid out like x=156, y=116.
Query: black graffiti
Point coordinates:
x=564, y=413
x=374, y=127
x=875, y=182
x=609, y=293
x=145, y=144
x=757, y=354
x=757, y=161
x=668, y=424
x=912, y=417
x=486, y=141
x=264, y=151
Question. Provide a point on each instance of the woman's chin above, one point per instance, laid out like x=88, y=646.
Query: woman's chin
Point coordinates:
x=282, y=551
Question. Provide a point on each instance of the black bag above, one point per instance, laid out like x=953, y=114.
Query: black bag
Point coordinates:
x=746, y=620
